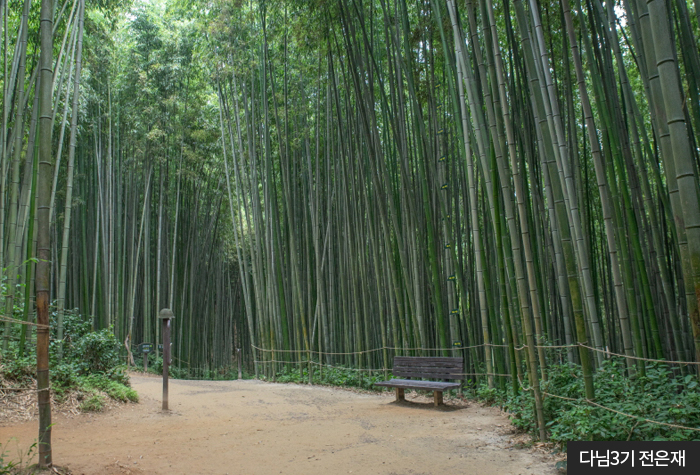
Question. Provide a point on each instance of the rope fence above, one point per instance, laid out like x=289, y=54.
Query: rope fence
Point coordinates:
x=316, y=363
x=638, y=357
x=23, y=390
x=22, y=322
x=371, y=370
x=381, y=348
x=374, y=370
x=282, y=362
x=187, y=363
x=482, y=345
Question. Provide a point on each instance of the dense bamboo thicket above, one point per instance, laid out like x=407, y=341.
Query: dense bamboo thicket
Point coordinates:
x=405, y=177
x=137, y=191
x=335, y=183
x=471, y=179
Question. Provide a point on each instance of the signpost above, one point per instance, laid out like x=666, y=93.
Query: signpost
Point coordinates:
x=166, y=315
x=145, y=348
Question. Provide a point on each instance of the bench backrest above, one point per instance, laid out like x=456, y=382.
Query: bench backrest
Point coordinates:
x=428, y=367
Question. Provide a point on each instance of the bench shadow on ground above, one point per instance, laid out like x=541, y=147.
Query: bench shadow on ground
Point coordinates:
x=428, y=404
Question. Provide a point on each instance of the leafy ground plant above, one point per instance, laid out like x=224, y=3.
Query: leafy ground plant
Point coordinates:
x=94, y=402
x=114, y=389
x=11, y=464
x=663, y=396
x=90, y=366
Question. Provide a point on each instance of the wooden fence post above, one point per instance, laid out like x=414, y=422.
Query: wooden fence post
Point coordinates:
x=166, y=315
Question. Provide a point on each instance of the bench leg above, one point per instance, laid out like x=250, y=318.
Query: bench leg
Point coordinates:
x=437, y=395
x=400, y=394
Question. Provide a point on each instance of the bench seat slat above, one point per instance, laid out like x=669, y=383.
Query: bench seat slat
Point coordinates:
x=414, y=384
x=414, y=374
x=428, y=360
x=423, y=369
x=427, y=365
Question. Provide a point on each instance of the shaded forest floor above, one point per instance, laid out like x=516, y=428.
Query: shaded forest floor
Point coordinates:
x=252, y=427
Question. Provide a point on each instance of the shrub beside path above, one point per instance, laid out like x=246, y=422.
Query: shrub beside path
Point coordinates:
x=255, y=428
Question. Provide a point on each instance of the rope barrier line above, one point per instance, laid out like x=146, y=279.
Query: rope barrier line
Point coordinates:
x=553, y=347
x=362, y=352
x=369, y=369
x=189, y=368
x=493, y=345
x=264, y=350
x=416, y=349
x=609, y=353
x=376, y=370
x=282, y=362
x=25, y=389
x=22, y=322
x=322, y=364
x=575, y=345
x=639, y=358
x=556, y=346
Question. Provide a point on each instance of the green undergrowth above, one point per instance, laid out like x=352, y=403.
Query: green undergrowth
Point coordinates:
x=114, y=389
x=155, y=366
x=13, y=459
x=17, y=460
x=330, y=376
x=660, y=396
x=91, y=369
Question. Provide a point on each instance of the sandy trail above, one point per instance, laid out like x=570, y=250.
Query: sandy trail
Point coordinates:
x=255, y=428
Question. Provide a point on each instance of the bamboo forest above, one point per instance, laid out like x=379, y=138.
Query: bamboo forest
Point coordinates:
x=315, y=187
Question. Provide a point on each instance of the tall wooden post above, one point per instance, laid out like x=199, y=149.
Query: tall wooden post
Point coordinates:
x=166, y=315
x=43, y=266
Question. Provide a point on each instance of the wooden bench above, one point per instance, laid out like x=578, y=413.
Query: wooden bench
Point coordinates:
x=434, y=368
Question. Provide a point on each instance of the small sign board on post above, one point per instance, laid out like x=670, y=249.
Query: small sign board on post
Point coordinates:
x=146, y=348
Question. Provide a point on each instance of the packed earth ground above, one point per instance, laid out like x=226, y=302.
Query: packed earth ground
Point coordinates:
x=251, y=427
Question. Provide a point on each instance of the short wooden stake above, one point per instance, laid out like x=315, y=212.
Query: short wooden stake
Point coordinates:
x=238, y=352
x=437, y=395
x=400, y=396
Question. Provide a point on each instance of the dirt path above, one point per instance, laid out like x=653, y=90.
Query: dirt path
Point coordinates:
x=251, y=427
